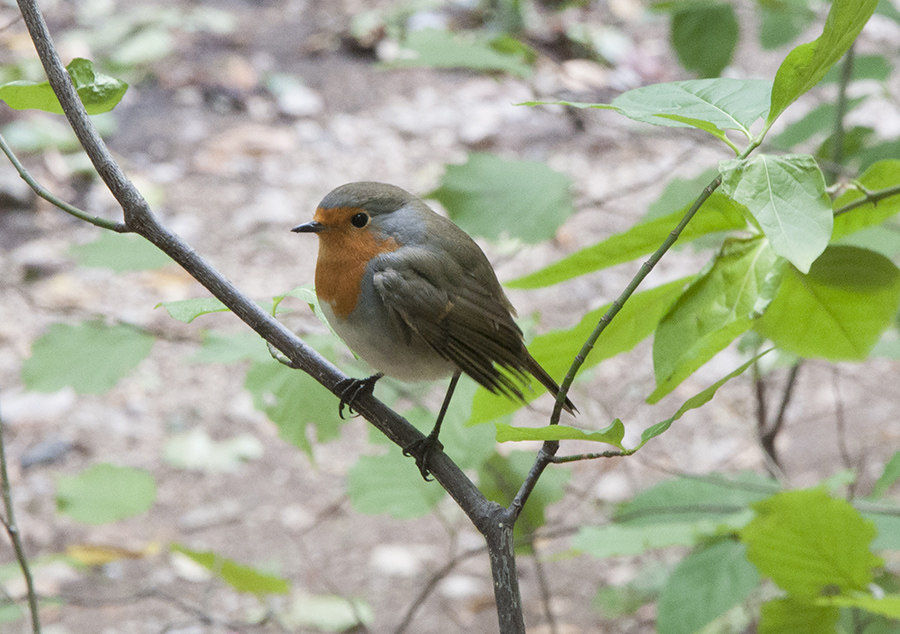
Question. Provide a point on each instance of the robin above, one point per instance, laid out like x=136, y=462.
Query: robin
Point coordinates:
x=415, y=297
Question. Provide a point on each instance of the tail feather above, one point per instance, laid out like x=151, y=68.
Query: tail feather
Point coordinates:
x=547, y=381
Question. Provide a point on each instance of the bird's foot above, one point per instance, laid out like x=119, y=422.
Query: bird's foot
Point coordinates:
x=421, y=450
x=351, y=389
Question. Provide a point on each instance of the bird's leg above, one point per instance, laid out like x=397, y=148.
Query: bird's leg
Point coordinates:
x=351, y=389
x=422, y=448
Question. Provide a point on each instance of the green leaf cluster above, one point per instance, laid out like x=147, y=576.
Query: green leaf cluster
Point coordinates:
x=816, y=548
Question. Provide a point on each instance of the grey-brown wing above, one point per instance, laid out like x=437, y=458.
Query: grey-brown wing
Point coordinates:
x=461, y=318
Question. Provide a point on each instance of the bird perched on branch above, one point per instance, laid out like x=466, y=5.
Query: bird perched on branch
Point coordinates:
x=414, y=296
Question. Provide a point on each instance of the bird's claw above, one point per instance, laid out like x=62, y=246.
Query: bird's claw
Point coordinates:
x=421, y=450
x=351, y=389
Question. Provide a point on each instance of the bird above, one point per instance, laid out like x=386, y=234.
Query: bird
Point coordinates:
x=415, y=297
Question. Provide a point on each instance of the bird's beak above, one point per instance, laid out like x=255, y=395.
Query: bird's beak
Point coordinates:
x=310, y=227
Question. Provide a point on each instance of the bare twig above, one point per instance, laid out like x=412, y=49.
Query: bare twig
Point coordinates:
x=770, y=433
x=840, y=420
x=439, y=575
x=544, y=589
x=840, y=111
x=12, y=529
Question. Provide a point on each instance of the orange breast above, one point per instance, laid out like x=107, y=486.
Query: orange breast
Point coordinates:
x=344, y=253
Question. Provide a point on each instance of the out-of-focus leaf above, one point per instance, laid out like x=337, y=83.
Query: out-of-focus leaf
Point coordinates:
x=491, y=196
x=194, y=450
x=231, y=348
x=500, y=478
x=293, y=401
x=811, y=544
x=90, y=357
x=187, y=310
x=704, y=38
x=327, y=613
x=105, y=493
x=240, y=577
x=120, y=253
x=889, y=476
x=704, y=586
x=433, y=48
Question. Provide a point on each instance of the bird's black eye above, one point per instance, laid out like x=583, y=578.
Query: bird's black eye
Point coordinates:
x=359, y=220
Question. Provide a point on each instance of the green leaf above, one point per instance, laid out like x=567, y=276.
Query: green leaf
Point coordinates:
x=694, y=499
x=327, y=613
x=555, y=350
x=680, y=193
x=808, y=63
x=786, y=195
x=308, y=295
x=718, y=213
x=728, y=104
x=887, y=9
x=105, y=493
x=887, y=523
x=704, y=38
x=790, y=616
x=612, y=435
x=615, y=601
x=240, y=577
x=120, y=253
x=782, y=22
x=838, y=310
x=819, y=119
x=98, y=92
x=293, y=400
x=231, y=348
x=491, y=196
x=704, y=586
x=885, y=606
x=889, y=476
x=432, y=48
x=881, y=175
x=698, y=400
x=811, y=544
x=500, y=478
x=626, y=540
x=187, y=310
x=717, y=307
x=195, y=450
x=874, y=67
x=90, y=357
x=391, y=484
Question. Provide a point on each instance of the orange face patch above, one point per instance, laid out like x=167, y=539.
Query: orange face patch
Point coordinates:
x=344, y=253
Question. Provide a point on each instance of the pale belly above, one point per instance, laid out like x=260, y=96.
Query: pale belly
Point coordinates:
x=373, y=340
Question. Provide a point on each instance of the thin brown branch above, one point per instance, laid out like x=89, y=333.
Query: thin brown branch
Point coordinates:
x=439, y=575
x=12, y=529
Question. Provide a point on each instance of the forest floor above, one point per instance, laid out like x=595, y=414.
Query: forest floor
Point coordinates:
x=232, y=167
